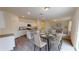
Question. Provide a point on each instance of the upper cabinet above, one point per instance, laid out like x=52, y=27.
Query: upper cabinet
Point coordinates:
x=2, y=20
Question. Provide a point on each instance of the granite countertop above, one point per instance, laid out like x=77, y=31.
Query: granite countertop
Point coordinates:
x=6, y=35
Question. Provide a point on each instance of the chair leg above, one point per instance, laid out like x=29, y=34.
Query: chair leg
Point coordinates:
x=50, y=46
x=59, y=47
x=46, y=48
x=61, y=42
x=34, y=47
x=39, y=49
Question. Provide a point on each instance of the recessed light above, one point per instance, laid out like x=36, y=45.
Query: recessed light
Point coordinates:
x=23, y=16
x=55, y=20
x=45, y=8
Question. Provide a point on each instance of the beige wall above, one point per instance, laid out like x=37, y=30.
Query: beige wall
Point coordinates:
x=11, y=24
x=43, y=23
x=75, y=30
x=69, y=26
x=28, y=21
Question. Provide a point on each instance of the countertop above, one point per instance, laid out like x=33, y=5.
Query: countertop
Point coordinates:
x=6, y=35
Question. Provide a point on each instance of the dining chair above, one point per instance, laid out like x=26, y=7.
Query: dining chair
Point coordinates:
x=38, y=42
x=53, y=31
x=30, y=35
x=57, y=41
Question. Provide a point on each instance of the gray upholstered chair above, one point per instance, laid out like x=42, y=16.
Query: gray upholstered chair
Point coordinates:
x=30, y=36
x=57, y=41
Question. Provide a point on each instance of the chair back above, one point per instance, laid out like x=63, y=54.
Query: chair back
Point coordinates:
x=29, y=35
x=53, y=31
x=59, y=36
x=37, y=38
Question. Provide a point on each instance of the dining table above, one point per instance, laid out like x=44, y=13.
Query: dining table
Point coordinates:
x=47, y=37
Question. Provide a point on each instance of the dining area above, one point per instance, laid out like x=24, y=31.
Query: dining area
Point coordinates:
x=44, y=40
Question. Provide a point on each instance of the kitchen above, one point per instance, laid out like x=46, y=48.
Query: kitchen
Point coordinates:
x=13, y=25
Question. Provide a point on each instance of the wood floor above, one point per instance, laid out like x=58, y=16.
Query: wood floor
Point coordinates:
x=20, y=41
x=23, y=44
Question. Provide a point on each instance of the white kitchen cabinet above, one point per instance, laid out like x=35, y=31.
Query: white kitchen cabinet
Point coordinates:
x=2, y=21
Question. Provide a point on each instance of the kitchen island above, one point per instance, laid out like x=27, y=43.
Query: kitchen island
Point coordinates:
x=7, y=42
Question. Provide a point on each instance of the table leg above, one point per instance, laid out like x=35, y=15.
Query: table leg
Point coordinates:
x=48, y=45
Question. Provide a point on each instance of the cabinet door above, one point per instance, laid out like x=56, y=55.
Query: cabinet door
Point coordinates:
x=2, y=21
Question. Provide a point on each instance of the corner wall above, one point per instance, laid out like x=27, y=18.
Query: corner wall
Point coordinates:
x=75, y=30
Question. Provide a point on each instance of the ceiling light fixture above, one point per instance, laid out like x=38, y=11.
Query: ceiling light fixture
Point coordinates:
x=23, y=16
x=46, y=8
x=55, y=20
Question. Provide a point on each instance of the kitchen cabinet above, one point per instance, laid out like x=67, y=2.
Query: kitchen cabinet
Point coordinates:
x=2, y=20
x=7, y=42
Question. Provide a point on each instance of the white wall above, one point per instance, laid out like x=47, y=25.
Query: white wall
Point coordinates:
x=11, y=24
x=75, y=30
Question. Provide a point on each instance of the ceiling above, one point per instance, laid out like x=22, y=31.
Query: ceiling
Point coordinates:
x=51, y=13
